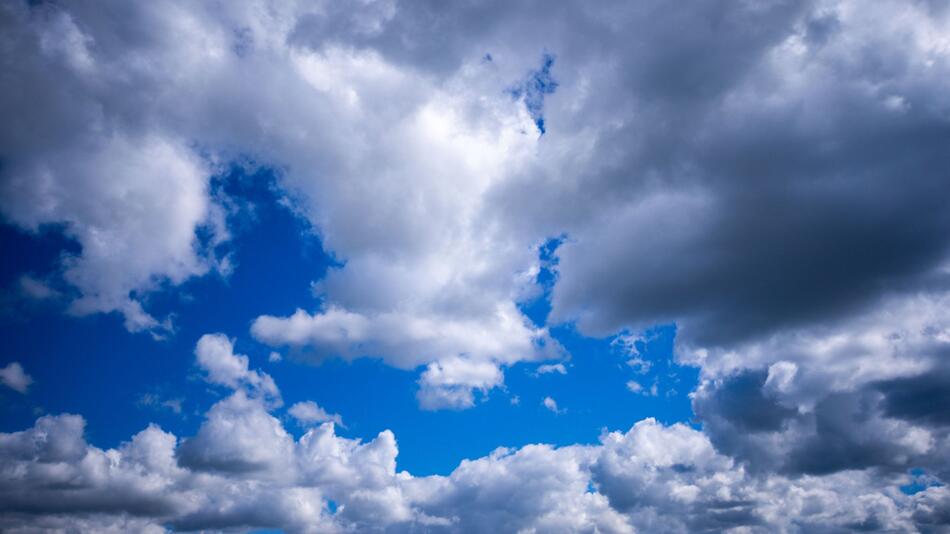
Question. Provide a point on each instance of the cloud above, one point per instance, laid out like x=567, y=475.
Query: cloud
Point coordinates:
x=36, y=289
x=215, y=355
x=120, y=157
x=14, y=377
x=652, y=477
x=238, y=435
x=155, y=401
x=451, y=383
x=308, y=413
x=549, y=368
x=636, y=387
x=243, y=470
x=837, y=396
x=550, y=404
x=691, y=242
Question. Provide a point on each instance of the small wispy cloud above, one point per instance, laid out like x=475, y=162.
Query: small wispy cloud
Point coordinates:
x=310, y=413
x=157, y=402
x=638, y=388
x=552, y=368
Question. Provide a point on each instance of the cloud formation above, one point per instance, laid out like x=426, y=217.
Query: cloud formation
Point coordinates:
x=243, y=470
x=770, y=177
x=14, y=377
x=309, y=413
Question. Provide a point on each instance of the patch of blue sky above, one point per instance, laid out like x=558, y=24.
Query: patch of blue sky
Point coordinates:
x=534, y=88
x=920, y=480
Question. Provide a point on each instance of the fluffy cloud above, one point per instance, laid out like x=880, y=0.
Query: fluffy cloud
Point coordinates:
x=215, y=355
x=651, y=478
x=868, y=391
x=104, y=142
x=14, y=377
x=243, y=470
x=80, y=152
x=449, y=383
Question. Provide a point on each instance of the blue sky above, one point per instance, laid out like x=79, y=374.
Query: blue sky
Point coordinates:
x=91, y=365
x=490, y=266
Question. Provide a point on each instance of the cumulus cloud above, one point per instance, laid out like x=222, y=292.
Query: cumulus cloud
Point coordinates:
x=651, y=478
x=450, y=383
x=103, y=142
x=243, y=470
x=14, y=377
x=80, y=155
x=215, y=355
x=838, y=396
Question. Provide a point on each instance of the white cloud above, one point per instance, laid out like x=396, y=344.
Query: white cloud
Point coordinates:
x=243, y=471
x=450, y=383
x=121, y=155
x=549, y=368
x=215, y=355
x=14, y=377
x=308, y=413
x=239, y=435
x=461, y=355
x=550, y=404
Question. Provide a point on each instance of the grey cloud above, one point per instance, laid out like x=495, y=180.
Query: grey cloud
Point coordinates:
x=842, y=431
x=863, y=393
x=806, y=210
x=742, y=400
x=924, y=398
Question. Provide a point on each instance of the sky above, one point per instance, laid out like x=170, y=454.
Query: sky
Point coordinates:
x=390, y=266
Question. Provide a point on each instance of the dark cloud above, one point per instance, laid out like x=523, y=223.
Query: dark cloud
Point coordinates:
x=806, y=212
x=845, y=438
x=742, y=401
x=923, y=398
x=842, y=431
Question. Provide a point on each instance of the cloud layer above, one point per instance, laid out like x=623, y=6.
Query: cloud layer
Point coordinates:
x=243, y=470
